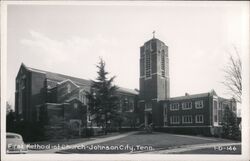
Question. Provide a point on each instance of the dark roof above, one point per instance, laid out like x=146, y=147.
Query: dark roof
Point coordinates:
x=212, y=92
x=82, y=82
x=154, y=39
x=60, y=77
x=127, y=90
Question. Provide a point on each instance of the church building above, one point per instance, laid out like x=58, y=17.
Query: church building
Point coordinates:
x=57, y=99
x=197, y=113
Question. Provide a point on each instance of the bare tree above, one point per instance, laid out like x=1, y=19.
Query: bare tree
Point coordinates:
x=233, y=75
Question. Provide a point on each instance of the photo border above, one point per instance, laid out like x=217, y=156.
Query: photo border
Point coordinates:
x=245, y=93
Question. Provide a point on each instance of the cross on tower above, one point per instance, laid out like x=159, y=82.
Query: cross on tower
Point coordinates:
x=153, y=34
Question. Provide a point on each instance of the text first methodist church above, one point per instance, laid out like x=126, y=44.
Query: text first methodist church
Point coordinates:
x=51, y=97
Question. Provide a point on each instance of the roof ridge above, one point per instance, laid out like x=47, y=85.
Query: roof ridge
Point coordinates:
x=59, y=74
x=75, y=79
x=56, y=73
x=190, y=95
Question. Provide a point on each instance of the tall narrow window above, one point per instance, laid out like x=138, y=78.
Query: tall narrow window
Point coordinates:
x=162, y=63
x=187, y=119
x=174, y=119
x=23, y=83
x=142, y=63
x=199, y=119
x=148, y=65
x=215, y=112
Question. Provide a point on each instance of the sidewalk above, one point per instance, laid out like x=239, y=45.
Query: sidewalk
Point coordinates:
x=95, y=140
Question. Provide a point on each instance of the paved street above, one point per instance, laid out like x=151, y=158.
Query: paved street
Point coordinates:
x=155, y=143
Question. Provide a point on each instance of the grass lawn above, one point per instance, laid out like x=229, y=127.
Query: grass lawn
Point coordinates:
x=145, y=142
x=45, y=145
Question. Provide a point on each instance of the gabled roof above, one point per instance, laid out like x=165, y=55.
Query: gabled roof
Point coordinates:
x=60, y=78
x=187, y=96
x=127, y=90
x=68, y=80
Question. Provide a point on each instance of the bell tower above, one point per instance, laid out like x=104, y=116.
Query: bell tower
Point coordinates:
x=154, y=77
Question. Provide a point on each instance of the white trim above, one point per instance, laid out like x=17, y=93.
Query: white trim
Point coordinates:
x=215, y=97
x=148, y=110
x=68, y=80
x=147, y=78
x=156, y=73
x=71, y=99
x=94, y=127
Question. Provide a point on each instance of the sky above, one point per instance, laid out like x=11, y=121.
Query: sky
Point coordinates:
x=70, y=39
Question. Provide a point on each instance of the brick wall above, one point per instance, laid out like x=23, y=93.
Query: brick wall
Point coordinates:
x=38, y=93
x=205, y=111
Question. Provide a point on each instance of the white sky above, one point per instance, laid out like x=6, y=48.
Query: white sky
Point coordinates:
x=70, y=40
